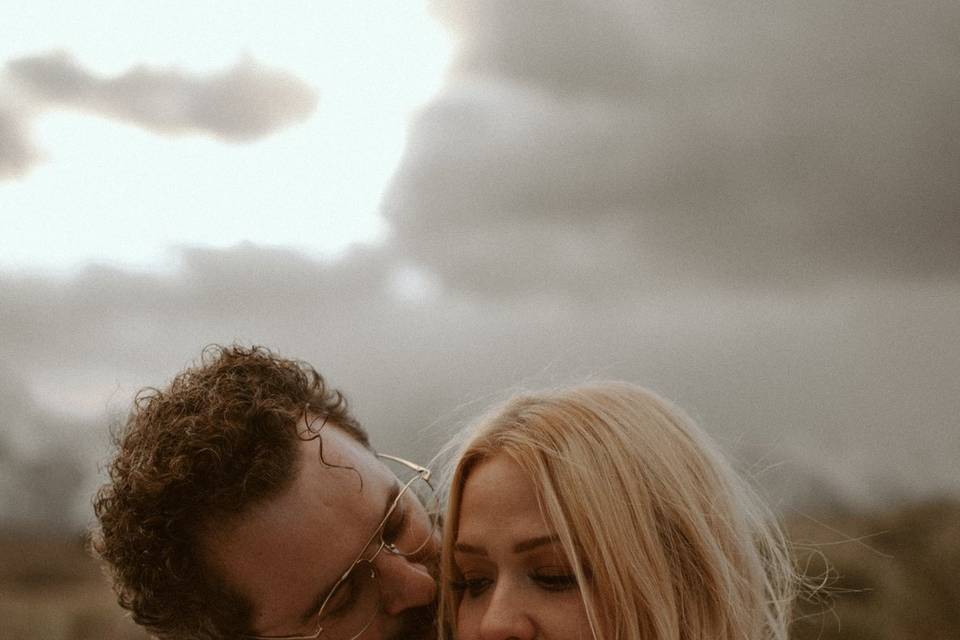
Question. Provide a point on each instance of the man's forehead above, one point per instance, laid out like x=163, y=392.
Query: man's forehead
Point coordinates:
x=283, y=551
x=341, y=474
x=338, y=485
x=339, y=489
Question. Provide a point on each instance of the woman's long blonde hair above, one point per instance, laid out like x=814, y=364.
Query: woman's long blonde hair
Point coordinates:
x=667, y=542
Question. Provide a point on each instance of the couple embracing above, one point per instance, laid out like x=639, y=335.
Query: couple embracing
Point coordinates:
x=245, y=501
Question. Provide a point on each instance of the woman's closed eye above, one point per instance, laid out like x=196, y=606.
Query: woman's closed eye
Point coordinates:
x=471, y=585
x=474, y=585
x=554, y=579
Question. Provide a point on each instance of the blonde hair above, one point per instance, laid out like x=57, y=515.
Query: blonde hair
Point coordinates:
x=667, y=542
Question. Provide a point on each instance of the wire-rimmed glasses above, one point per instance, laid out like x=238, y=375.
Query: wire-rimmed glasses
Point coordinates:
x=355, y=600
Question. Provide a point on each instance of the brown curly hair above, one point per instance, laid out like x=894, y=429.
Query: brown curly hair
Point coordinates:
x=219, y=439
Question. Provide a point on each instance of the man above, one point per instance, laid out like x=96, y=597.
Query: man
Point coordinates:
x=245, y=501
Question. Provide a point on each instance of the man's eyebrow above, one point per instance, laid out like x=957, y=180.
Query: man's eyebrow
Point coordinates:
x=520, y=547
x=314, y=609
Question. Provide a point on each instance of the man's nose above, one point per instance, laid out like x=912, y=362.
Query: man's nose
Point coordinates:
x=404, y=584
x=506, y=617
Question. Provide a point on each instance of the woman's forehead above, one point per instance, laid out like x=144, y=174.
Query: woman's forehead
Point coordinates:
x=499, y=496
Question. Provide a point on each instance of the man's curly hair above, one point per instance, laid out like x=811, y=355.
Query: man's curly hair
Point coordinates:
x=221, y=438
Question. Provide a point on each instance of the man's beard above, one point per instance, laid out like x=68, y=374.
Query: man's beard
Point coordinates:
x=417, y=624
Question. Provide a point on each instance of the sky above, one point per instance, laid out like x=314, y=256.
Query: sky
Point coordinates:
x=210, y=127
x=751, y=208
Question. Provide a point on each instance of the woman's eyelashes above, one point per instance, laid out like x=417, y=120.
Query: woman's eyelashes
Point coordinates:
x=471, y=586
x=548, y=579
x=554, y=579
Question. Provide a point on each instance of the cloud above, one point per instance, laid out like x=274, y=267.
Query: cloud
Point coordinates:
x=43, y=462
x=240, y=104
x=852, y=387
x=246, y=292
x=749, y=207
x=16, y=151
x=783, y=144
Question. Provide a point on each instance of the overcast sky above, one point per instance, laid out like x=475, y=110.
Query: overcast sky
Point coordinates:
x=752, y=208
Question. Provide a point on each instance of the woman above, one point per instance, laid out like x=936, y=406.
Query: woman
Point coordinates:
x=603, y=512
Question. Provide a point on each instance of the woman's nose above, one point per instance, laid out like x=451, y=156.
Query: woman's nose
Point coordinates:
x=404, y=584
x=506, y=617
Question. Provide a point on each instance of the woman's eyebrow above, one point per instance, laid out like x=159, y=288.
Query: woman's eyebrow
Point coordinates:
x=521, y=547
x=533, y=543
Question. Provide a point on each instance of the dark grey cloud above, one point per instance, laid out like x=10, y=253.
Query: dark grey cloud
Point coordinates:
x=851, y=387
x=239, y=104
x=210, y=296
x=766, y=143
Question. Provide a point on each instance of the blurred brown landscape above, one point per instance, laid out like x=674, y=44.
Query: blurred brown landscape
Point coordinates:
x=51, y=588
x=893, y=576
